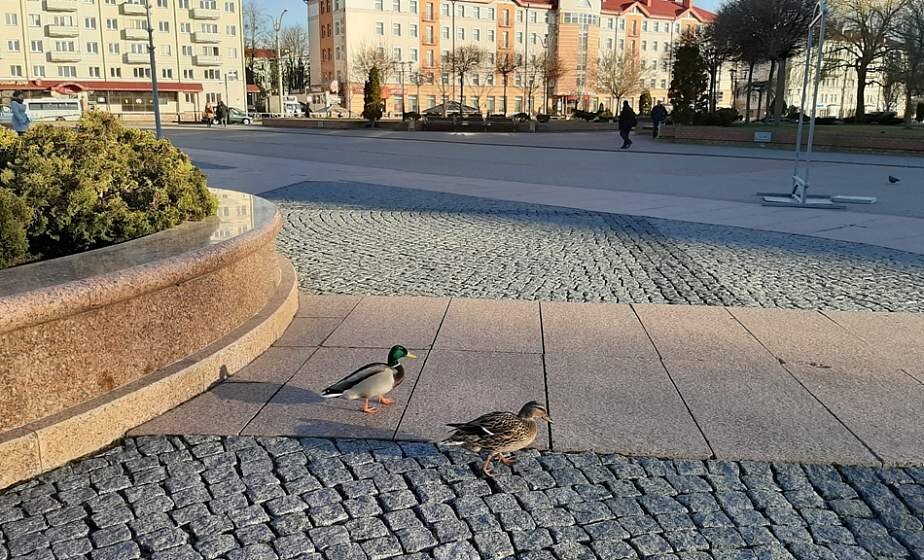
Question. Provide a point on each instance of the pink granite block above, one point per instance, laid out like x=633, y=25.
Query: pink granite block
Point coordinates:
x=326, y=306
x=382, y=322
x=491, y=326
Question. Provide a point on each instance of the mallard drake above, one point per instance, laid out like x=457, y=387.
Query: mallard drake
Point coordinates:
x=372, y=380
x=500, y=433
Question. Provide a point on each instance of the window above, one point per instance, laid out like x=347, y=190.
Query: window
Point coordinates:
x=663, y=84
x=208, y=4
x=166, y=50
x=654, y=45
x=505, y=39
x=429, y=10
x=189, y=74
x=396, y=29
x=412, y=30
x=655, y=24
x=13, y=19
x=65, y=46
x=429, y=35
x=645, y=25
x=396, y=54
x=520, y=16
x=89, y=23
x=184, y=4
x=186, y=27
x=141, y=72
x=444, y=32
x=430, y=60
x=622, y=25
x=490, y=35
x=36, y=46
x=13, y=45
x=16, y=70
x=232, y=53
x=412, y=5
x=476, y=12
x=653, y=83
x=213, y=74
x=114, y=48
x=187, y=50
x=92, y=47
x=413, y=55
x=520, y=37
x=644, y=45
x=35, y=20
x=38, y=71
x=379, y=5
x=476, y=34
x=379, y=28
x=138, y=48
x=95, y=72
x=667, y=47
x=609, y=23
x=460, y=33
x=609, y=44
x=229, y=7
x=396, y=5
x=444, y=9
x=622, y=44
x=112, y=23
x=163, y=26
x=460, y=10
x=67, y=71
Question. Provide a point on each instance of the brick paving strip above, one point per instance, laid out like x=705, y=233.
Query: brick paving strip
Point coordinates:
x=193, y=497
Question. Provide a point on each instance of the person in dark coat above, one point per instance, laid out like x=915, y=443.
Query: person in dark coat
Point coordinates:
x=221, y=112
x=658, y=116
x=627, y=121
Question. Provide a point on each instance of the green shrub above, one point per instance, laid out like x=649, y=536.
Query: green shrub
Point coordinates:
x=14, y=219
x=581, y=114
x=98, y=184
x=542, y=118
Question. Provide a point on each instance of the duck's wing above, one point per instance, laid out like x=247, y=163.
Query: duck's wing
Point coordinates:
x=489, y=424
x=356, y=378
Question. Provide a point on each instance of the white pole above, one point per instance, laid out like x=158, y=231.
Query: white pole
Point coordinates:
x=155, y=97
x=277, y=25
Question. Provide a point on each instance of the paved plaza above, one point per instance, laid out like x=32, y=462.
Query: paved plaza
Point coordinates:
x=194, y=497
x=351, y=238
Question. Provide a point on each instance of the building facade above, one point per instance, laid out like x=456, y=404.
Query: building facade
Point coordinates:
x=97, y=50
x=419, y=35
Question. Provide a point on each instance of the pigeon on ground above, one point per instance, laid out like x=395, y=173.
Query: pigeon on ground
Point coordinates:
x=894, y=180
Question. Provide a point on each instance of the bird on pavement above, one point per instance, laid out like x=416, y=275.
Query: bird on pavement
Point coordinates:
x=894, y=180
x=372, y=381
x=499, y=433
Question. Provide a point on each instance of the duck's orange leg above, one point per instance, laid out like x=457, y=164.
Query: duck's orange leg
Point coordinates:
x=368, y=409
x=486, y=468
x=386, y=401
x=508, y=459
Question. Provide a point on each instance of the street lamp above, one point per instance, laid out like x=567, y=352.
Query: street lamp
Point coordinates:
x=277, y=25
x=155, y=97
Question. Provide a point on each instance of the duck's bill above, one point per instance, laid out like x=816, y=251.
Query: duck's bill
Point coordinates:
x=412, y=356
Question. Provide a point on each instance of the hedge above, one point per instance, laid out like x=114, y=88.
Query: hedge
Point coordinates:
x=96, y=184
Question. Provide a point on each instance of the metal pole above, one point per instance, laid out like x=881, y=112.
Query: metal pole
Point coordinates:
x=452, y=56
x=277, y=25
x=811, y=138
x=529, y=102
x=403, y=93
x=805, y=77
x=154, y=92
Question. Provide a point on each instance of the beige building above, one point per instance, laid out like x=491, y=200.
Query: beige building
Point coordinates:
x=421, y=34
x=97, y=50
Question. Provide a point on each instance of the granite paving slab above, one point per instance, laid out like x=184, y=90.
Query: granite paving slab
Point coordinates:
x=277, y=365
x=897, y=336
x=881, y=405
x=699, y=332
x=622, y=405
x=606, y=328
x=491, y=326
x=757, y=410
x=459, y=386
x=326, y=306
x=307, y=331
x=299, y=410
x=382, y=322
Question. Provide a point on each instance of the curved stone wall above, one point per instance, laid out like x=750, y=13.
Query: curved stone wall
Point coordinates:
x=163, y=316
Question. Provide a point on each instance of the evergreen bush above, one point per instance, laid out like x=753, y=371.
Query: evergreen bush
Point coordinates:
x=96, y=184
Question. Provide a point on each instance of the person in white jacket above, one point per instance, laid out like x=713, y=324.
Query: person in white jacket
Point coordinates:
x=20, y=120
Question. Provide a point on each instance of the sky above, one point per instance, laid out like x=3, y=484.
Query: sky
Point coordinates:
x=297, y=12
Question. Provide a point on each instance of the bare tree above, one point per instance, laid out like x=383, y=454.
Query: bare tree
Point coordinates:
x=294, y=44
x=256, y=29
x=863, y=29
x=715, y=48
x=619, y=76
x=906, y=64
x=506, y=66
x=369, y=56
x=550, y=69
x=738, y=24
x=463, y=61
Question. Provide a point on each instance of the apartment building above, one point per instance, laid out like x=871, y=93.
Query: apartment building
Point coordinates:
x=97, y=50
x=419, y=35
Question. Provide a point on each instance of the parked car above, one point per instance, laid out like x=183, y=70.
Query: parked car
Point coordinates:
x=235, y=116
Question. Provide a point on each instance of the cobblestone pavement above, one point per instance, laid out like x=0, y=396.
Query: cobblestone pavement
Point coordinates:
x=245, y=498
x=348, y=238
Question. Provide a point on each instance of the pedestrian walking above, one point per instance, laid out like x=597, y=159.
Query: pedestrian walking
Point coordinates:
x=209, y=114
x=20, y=117
x=222, y=113
x=627, y=121
x=658, y=116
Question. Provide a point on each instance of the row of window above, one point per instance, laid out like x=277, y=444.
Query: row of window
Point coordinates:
x=92, y=47
x=112, y=24
x=67, y=71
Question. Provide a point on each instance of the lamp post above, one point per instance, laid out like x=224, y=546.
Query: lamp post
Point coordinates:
x=417, y=82
x=734, y=88
x=453, y=61
x=401, y=64
x=277, y=25
x=529, y=101
x=155, y=97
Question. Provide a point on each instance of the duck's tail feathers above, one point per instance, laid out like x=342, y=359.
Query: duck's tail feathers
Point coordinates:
x=328, y=394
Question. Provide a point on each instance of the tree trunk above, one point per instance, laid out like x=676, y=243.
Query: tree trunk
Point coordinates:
x=747, y=103
x=461, y=93
x=760, y=102
x=909, y=108
x=860, y=114
x=780, y=101
x=505, y=95
x=769, y=87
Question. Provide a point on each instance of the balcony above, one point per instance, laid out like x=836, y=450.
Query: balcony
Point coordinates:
x=62, y=30
x=61, y=5
x=205, y=37
x=132, y=9
x=204, y=13
x=135, y=34
x=136, y=58
x=64, y=56
x=207, y=60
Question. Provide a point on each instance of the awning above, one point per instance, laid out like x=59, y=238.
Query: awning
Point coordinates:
x=71, y=87
x=253, y=88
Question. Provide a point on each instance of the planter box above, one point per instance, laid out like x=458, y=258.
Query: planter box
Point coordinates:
x=784, y=138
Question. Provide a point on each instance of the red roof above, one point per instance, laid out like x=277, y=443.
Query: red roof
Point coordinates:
x=71, y=86
x=657, y=8
x=260, y=53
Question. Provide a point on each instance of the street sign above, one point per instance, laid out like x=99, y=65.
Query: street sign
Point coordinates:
x=763, y=136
